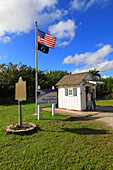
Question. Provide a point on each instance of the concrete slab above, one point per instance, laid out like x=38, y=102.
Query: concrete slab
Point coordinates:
x=102, y=113
x=71, y=113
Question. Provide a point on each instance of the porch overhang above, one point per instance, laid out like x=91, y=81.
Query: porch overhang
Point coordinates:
x=94, y=82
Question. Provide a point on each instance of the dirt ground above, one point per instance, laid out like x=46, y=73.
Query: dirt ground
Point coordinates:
x=102, y=113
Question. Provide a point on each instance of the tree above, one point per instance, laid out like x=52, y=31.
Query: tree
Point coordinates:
x=105, y=90
x=95, y=73
x=10, y=73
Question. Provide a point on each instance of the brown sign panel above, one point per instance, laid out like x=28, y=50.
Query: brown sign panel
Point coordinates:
x=20, y=90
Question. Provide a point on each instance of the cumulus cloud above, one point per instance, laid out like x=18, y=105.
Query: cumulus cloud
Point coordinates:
x=63, y=29
x=5, y=39
x=92, y=60
x=89, y=57
x=86, y=4
x=105, y=77
x=77, y=4
x=102, y=67
x=18, y=16
x=64, y=43
x=100, y=45
x=47, y=18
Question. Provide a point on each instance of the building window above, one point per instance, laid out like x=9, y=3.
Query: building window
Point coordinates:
x=74, y=91
x=66, y=92
x=70, y=92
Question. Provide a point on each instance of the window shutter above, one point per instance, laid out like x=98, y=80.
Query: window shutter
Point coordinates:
x=66, y=92
x=74, y=91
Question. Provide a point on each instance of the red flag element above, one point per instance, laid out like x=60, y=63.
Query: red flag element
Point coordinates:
x=47, y=39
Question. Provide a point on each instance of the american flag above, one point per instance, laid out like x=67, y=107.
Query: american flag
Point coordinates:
x=46, y=38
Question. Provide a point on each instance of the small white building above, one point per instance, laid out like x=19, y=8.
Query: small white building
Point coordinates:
x=73, y=89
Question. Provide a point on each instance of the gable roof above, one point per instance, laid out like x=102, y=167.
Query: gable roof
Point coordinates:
x=73, y=79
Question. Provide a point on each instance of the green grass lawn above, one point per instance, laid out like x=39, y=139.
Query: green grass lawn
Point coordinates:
x=104, y=102
x=60, y=142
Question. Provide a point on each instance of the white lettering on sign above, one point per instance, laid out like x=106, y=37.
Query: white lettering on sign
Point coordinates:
x=46, y=96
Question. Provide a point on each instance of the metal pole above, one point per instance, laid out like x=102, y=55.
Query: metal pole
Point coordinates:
x=20, y=113
x=53, y=106
x=38, y=108
x=36, y=69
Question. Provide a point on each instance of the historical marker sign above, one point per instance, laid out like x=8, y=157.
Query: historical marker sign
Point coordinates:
x=20, y=94
x=46, y=96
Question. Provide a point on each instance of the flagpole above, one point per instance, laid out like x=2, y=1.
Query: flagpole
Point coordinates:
x=36, y=64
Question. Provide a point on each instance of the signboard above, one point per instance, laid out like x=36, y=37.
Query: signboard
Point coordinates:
x=46, y=96
x=20, y=90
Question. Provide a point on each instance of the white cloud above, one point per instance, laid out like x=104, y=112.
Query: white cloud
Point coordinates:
x=5, y=39
x=105, y=66
x=78, y=4
x=89, y=57
x=100, y=45
x=90, y=3
x=3, y=57
x=59, y=43
x=64, y=29
x=47, y=18
x=92, y=60
x=102, y=67
x=105, y=77
x=18, y=16
x=86, y=4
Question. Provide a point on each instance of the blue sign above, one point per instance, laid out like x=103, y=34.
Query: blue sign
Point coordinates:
x=46, y=96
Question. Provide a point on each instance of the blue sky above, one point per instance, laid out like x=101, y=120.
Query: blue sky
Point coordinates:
x=84, y=31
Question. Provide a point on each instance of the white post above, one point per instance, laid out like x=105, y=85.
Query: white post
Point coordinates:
x=36, y=64
x=38, y=108
x=53, y=106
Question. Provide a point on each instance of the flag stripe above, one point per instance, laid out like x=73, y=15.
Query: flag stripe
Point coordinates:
x=47, y=39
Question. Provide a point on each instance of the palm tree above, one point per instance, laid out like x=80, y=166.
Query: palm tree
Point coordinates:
x=95, y=73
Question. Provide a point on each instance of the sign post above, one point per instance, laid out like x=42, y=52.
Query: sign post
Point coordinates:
x=36, y=63
x=53, y=105
x=47, y=96
x=38, y=108
x=20, y=95
x=20, y=113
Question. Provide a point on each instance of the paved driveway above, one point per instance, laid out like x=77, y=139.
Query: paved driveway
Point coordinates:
x=102, y=113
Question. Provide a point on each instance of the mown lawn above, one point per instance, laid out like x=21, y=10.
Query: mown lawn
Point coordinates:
x=60, y=143
x=104, y=102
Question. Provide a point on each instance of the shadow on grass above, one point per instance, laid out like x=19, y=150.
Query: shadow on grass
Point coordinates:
x=79, y=131
x=76, y=119
x=85, y=131
x=11, y=103
x=104, y=109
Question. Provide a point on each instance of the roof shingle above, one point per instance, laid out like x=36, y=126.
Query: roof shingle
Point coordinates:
x=74, y=79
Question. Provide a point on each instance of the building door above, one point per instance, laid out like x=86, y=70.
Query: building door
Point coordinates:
x=87, y=89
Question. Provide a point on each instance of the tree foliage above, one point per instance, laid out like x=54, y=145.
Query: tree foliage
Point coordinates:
x=10, y=73
x=95, y=73
x=105, y=90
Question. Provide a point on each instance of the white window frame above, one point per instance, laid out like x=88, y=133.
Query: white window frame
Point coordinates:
x=70, y=89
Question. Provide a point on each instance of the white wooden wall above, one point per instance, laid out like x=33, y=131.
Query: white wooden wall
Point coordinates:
x=69, y=102
x=83, y=96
